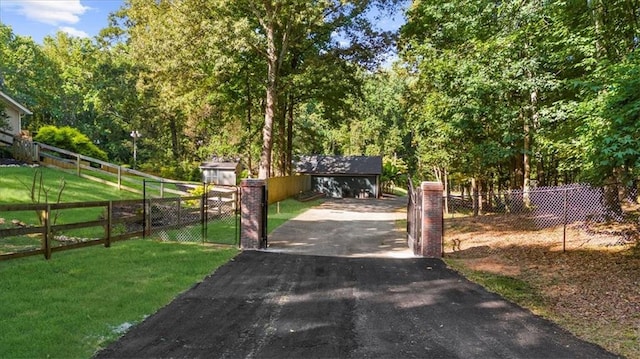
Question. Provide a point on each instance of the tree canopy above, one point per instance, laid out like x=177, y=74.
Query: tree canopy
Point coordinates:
x=510, y=94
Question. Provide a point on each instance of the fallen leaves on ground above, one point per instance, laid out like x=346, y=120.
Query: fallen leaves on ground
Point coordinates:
x=592, y=288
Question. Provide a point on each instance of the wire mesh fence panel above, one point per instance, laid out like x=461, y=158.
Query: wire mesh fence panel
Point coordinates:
x=175, y=219
x=562, y=217
x=221, y=224
x=206, y=214
x=127, y=217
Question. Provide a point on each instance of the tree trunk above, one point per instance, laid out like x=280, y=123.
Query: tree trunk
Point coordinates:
x=541, y=174
x=289, y=156
x=612, y=200
x=270, y=105
x=526, y=184
x=173, y=128
x=447, y=191
x=475, y=197
x=249, y=143
x=281, y=140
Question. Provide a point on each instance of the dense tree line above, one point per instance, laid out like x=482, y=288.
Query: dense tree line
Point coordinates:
x=200, y=78
x=515, y=93
x=490, y=94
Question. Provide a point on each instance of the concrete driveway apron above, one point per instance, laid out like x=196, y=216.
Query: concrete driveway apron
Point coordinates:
x=346, y=228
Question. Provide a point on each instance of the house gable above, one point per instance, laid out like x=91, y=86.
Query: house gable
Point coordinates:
x=14, y=112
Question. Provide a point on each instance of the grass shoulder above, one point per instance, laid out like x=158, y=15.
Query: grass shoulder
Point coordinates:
x=514, y=289
x=84, y=299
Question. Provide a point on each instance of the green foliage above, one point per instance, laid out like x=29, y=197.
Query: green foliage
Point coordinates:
x=394, y=174
x=70, y=139
x=503, y=92
x=507, y=92
x=197, y=191
x=180, y=171
x=5, y=152
x=614, y=127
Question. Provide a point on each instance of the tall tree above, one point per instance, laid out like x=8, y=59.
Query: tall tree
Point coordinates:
x=208, y=41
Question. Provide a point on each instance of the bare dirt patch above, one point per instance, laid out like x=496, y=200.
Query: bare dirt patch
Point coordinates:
x=592, y=288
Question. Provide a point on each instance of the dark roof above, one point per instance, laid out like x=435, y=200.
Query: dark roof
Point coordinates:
x=220, y=165
x=340, y=165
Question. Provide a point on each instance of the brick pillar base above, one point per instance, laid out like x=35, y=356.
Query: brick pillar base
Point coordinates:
x=432, y=230
x=252, y=226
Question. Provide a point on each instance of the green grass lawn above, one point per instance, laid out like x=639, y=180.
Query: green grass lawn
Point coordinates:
x=16, y=183
x=83, y=299
x=15, y=187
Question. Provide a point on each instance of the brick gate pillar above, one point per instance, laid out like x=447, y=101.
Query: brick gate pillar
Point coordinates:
x=432, y=226
x=252, y=214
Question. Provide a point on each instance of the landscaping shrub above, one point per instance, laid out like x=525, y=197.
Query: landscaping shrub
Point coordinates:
x=180, y=171
x=70, y=139
x=5, y=152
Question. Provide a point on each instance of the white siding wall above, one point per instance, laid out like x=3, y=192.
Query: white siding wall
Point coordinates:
x=13, y=121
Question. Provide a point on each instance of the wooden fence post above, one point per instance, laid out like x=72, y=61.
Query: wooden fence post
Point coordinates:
x=107, y=241
x=47, y=233
x=119, y=177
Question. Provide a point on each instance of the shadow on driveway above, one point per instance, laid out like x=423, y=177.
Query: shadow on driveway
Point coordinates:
x=298, y=300
x=346, y=228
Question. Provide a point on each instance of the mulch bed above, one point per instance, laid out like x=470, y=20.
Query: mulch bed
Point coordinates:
x=10, y=161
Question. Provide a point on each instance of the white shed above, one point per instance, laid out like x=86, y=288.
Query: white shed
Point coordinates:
x=221, y=172
x=14, y=112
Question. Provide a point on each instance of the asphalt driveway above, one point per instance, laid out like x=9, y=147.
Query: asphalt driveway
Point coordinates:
x=343, y=287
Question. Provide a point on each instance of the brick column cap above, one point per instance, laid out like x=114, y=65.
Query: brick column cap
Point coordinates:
x=252, y=182
x=431, y=186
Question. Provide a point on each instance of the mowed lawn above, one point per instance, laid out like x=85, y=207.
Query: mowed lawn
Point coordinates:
x=79, y=301
x=16, y=184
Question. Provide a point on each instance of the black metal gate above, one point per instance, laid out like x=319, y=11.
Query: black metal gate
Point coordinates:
x=414, y=218
x=191, y=212
x=265, y=215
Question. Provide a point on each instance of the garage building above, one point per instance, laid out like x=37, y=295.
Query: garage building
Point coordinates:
x=343, y=176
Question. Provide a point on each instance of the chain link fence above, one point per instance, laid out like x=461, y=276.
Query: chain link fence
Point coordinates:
x=204, y=213
x=563, y=217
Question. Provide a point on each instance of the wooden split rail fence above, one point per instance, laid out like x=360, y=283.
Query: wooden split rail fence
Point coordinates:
x=100, y=222
x=93, y=169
